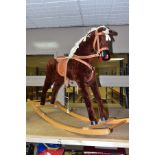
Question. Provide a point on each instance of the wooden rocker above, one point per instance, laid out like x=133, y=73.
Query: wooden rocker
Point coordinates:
x=91, y=130
x=78, y=66
x=114, y=122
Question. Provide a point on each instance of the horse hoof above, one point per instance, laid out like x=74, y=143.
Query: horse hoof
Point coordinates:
x=93, y=122
x=103, y=119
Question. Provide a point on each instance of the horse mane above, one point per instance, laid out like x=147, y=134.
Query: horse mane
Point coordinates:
x=83, y=39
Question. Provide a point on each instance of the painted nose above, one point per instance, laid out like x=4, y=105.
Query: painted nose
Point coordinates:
x=104, y=55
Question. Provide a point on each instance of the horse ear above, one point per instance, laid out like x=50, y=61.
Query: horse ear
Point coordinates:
x=113, y=33
x=101, y=29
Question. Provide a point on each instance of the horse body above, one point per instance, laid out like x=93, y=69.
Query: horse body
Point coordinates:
x=80, y=73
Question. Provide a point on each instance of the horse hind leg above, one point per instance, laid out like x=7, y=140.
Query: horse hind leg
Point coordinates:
x=47, y=85
x=49, y=80
x=55, y=89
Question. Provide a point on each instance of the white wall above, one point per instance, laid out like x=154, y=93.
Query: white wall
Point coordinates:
x=65, y=39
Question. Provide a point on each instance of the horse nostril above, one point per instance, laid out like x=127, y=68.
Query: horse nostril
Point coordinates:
x=104, y=55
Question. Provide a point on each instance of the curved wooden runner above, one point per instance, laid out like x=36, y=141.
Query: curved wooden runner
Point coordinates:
x=113, y=121
x=84, y=130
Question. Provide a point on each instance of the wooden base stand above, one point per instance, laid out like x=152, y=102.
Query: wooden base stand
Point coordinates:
x=107, y=126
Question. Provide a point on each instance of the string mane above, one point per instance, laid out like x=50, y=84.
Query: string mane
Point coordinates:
x=83, y=39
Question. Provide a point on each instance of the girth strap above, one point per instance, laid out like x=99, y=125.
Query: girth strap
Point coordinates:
x=88, y=65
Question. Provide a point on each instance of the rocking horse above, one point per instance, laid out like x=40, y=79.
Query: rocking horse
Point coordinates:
x=78, y=67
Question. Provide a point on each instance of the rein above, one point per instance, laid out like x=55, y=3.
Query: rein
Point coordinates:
x=79, y=58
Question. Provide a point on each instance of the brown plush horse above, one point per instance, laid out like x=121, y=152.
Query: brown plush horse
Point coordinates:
x=78, y=67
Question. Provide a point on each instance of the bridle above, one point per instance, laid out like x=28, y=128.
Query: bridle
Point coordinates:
x=96, y=43
x=98, y=50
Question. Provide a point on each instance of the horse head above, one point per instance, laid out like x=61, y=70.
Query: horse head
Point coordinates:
x=97, y=42
x=102, y=38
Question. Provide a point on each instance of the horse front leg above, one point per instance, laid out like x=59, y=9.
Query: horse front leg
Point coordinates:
x=102, y=111
x=85, y=95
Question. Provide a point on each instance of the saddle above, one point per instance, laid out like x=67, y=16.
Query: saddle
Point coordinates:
x=62, y=65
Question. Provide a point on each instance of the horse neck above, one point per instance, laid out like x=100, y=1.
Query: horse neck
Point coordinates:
x=85, y=49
